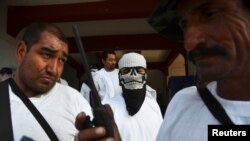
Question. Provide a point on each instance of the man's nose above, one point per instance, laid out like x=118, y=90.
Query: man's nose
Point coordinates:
x=52, y=66
x=193, y=36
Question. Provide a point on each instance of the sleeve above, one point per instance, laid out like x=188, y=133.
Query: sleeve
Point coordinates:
x=85, y=90
x=99, y=84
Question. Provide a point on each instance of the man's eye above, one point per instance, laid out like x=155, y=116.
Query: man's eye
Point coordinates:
x=210, y=13
x=140, y=70
x=63, y=60
x=46, y=55
x=125, y=70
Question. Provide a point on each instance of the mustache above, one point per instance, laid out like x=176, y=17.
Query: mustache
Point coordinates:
x=206, y=51
x=50, y=75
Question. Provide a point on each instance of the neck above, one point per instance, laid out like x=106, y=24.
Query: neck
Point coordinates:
x=108, y=70
x=234, y=89
x=21, y=86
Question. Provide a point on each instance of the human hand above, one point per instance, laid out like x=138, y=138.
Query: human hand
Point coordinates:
x=115, y=128
x=87, y=133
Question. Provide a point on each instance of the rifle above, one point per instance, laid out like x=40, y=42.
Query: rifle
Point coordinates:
x=101, y=117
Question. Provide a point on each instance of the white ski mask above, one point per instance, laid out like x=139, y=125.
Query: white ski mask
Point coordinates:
x=132, y=68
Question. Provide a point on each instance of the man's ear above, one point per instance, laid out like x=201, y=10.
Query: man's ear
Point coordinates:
x=21, y=50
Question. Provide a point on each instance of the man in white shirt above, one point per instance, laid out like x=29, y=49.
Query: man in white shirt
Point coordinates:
x=215, y=35
x=106, y=79
x=136, y=112
x=41, y=55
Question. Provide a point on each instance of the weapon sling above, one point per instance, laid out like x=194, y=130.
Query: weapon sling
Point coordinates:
x=214, y=106
x=30, y=106
x=6, y=132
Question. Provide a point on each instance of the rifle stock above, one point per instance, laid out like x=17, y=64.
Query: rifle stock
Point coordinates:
x=101, y=117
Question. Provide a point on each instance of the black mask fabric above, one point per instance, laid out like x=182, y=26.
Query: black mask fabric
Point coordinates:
x=134, y=99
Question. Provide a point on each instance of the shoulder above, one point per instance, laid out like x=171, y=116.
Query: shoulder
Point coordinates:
x=102, y=70
x=116, y=70
x=116, y=99
x=186, y=94
x=100, y=73
x=115, y=102
x=184, y=99
x=70, y=98
x=65, y=88
x=151, y=92
x=69, y=93
x=63, y=81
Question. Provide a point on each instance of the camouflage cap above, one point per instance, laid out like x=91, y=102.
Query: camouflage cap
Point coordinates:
x=165, y=20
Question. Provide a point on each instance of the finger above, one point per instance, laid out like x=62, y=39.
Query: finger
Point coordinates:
x=117, y=136
x=109, y=111
x=91, y=133
x=80, y=119
x=107, y=139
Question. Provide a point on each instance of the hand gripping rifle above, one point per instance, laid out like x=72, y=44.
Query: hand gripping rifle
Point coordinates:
x=101, y=117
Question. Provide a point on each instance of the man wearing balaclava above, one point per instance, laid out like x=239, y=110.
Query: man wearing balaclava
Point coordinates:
x=136, y=112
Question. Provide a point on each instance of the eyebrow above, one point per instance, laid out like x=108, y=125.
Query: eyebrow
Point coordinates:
x=52, y=50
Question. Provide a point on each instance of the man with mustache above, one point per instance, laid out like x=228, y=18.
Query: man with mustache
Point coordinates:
x=106, y=79
x=216, y=35
x=136, y=112
x=41, y=55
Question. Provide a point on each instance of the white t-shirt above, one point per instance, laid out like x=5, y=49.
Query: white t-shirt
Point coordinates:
x=187, y=117
x=59, y=107
x=144, y=125
x=107, y=83
x=63, y=81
